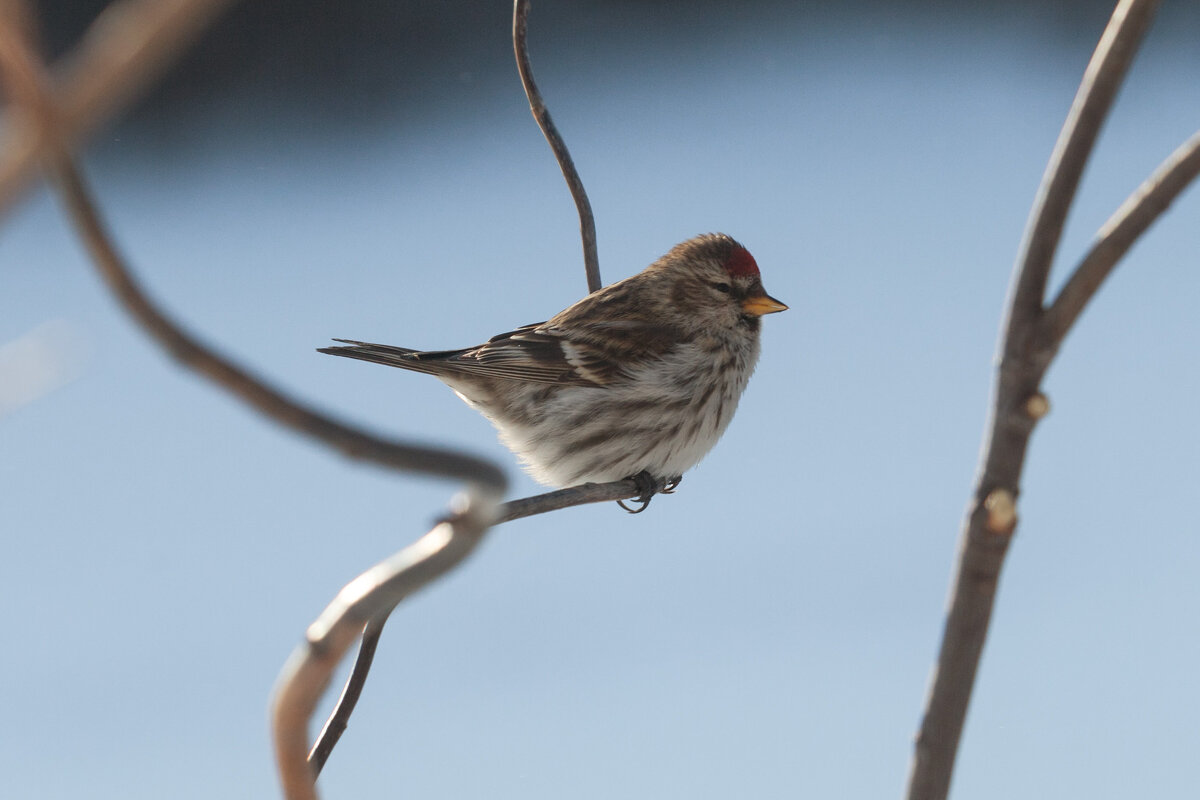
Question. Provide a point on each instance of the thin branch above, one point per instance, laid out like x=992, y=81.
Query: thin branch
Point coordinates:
x=1018, y=405
x=335, y=726
x=587, y=224
x=339, y=718
x=1114, y=239
x=126, y=48
x=626, y=489
x=370, y=596
x=1101, y=80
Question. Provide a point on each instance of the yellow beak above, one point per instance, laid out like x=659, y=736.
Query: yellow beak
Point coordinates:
x=762, y=304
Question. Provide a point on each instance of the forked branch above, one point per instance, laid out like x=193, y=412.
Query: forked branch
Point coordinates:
x=1114, y=239
x=1030, y=341
x=1101, y=80
x=335, y=726
x=339, y=718
x=369, y=597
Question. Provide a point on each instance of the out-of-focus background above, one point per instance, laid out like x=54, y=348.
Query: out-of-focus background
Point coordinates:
x=370, y=170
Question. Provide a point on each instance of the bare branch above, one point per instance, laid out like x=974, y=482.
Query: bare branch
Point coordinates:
x=626, y=489
x=1117, y=235
x=339, y=718
x=335, y=726
x=128, y=46
x=1101, y=80
x=370, y=596
x=992, y=518
x=587, y=224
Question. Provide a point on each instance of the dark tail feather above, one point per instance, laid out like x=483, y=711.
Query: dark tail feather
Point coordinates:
x=402, y=357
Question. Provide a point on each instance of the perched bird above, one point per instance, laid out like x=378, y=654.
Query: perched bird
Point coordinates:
x=638, y=379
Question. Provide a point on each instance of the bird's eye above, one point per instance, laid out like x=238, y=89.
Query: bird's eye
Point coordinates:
x=723, y=288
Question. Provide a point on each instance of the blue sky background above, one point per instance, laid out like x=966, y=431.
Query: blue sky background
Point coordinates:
x=768, y=631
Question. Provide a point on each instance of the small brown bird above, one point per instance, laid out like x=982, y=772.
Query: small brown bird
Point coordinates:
x=642, y=376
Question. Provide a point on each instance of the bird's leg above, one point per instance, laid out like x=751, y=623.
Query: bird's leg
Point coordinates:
x=647, y=486
x=672, y=483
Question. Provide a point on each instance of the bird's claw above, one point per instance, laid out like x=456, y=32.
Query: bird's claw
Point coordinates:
x=648, y=486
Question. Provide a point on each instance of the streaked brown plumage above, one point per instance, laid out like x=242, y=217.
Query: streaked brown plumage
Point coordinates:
x=643, y=375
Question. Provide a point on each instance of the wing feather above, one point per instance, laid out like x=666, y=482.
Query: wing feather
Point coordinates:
x=574, y=348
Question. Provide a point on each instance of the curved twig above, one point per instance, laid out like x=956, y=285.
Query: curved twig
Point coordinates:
x=587, y=223
x=339, y=717
x=370, y=596
x=188, y=350
x=336, y=725
x=22, y=74
x=374, y=593
x=123, y=51
x=1018, y=402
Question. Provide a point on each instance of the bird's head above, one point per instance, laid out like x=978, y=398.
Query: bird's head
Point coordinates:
x=716, y=282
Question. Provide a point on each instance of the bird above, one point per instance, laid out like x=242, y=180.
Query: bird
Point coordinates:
x=638, y=379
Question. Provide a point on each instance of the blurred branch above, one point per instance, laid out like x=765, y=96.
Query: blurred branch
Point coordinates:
x=339, y=718
x=18, y=64
x=124, y=50
x=336, y=725
x=376, y=592
x=365, y=603
x=587, y=223
x=1029, y=345
x=189, y=351
x=21, y=71
x=370, y=596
